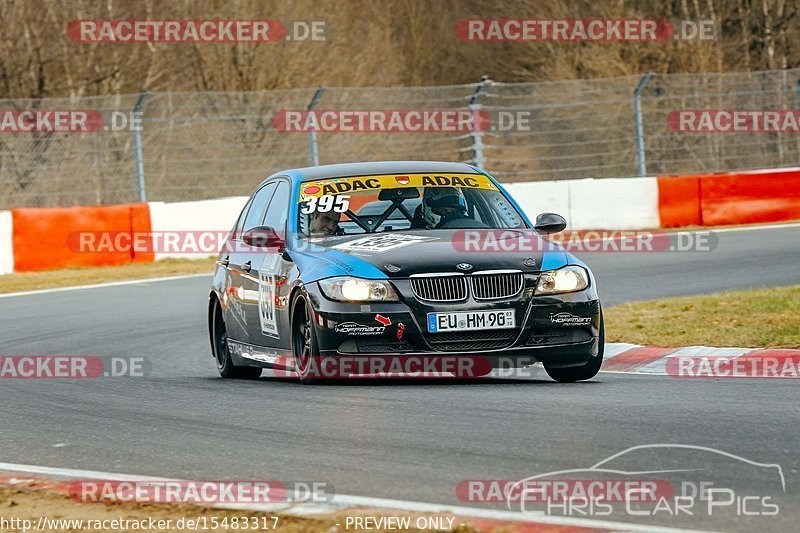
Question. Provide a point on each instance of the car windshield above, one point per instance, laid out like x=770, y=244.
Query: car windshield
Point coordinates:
x=378, y=204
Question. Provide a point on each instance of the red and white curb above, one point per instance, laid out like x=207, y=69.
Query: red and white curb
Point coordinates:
x=702, y=361
x=58, y=480
x=683, y=362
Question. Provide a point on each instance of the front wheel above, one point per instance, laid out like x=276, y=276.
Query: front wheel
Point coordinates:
x=219, y=348
x=587, y=371
x=305, y=351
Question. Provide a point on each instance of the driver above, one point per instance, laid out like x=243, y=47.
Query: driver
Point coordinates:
x=441, y=205
x=325, y=224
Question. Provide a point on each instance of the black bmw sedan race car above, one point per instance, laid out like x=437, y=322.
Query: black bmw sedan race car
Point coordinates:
x=409, y=267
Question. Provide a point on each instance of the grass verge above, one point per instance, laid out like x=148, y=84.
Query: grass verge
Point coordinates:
x=51, y=279
x=756, y=318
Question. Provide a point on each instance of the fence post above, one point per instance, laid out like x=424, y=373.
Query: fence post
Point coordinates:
x=312, y=135
x=137, y=148
x=637, y=114
x=797, y=89
x=477, y=133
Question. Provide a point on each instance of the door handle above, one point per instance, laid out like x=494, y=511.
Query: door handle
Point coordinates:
x=247, y=267
x=225, y=261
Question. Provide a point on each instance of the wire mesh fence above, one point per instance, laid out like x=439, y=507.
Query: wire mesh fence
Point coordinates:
x=205, y=145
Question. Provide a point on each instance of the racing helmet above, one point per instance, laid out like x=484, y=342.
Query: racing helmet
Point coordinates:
x=437, y=200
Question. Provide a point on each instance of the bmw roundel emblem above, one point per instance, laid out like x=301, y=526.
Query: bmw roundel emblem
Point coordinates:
x=464, y=266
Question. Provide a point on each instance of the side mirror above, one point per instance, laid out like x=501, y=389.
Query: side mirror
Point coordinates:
x=550, y=223
x=263, y=237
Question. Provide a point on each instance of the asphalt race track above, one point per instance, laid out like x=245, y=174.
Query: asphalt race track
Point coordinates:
x=398, y=439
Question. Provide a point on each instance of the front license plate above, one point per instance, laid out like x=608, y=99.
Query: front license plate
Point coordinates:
x=471, y=320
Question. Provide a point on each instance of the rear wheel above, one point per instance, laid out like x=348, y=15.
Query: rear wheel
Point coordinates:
x=219, y=347
x=587, y=371
x=305, y=351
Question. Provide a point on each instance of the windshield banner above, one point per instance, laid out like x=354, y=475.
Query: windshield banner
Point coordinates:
x=335, y=186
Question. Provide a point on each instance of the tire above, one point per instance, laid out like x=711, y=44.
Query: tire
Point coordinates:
x=219, y=349
x=587, y=371
x=304, y=342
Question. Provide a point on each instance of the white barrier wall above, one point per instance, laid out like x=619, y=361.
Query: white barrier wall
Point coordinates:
x=625, y=203
x=614, y=204
x=6, y=243
x=542, y=197
x=216, y=215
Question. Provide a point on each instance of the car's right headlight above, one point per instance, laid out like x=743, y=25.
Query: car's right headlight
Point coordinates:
x=349, y=289
x=568, y=279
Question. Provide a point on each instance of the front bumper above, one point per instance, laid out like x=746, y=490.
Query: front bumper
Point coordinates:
x=545, y=332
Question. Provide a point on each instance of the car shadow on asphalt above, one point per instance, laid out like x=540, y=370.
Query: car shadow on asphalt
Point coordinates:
x=412, y=382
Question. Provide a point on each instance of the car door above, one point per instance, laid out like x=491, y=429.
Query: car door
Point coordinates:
x=244, y=278
x=267, y=322
x=234, y=309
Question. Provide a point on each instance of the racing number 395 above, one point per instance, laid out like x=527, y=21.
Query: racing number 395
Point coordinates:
x=323, y=204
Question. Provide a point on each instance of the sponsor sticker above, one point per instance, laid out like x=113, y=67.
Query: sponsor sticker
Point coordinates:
x=336, y=186
x=267, y=295
x=381, y=243
x=254, y=353
x=568, y=319
x=353, y=328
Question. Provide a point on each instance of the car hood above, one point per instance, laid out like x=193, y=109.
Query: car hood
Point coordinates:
x=403, y=254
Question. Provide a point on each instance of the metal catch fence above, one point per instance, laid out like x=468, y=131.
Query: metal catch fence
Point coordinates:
x=205, y=145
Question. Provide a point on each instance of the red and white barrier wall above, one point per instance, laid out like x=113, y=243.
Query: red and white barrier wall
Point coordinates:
x=730, y=198
x=6, y=243
x=39, y=238
x=624, y=203
x=205, y=215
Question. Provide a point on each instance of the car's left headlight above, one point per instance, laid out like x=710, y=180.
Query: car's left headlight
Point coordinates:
x=348, y=289
x=567, y=279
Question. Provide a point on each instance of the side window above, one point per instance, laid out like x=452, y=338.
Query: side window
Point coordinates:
x=278, y=210
x=503, y=209
x=240, y=222
x=258, y=207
